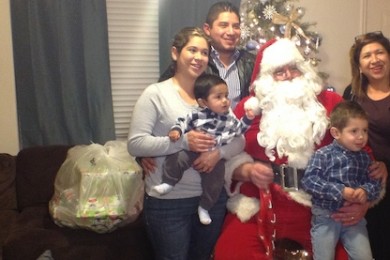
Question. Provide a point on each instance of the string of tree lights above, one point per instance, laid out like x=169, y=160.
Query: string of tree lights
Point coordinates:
x=262, y=20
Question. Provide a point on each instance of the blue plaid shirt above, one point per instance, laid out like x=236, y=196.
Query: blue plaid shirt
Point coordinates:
x=332, y=168
x=223, y=127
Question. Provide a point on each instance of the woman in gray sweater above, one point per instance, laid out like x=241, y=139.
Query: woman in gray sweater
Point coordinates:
x=172, y=220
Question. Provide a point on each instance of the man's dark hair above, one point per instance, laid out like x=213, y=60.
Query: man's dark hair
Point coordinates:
x=205, y=83
x=221, y=7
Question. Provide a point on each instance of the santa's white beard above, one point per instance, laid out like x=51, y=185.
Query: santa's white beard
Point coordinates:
x=293, y=120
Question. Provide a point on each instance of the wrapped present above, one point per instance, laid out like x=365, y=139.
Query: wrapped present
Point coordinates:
x=99, y=188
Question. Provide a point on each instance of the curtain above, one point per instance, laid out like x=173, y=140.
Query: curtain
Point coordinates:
x=62, y=72
x=176, y=14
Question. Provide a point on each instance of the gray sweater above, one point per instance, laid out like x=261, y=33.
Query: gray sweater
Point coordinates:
x=154, y=114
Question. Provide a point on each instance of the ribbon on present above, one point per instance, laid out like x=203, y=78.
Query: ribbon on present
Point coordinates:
x=289, y=22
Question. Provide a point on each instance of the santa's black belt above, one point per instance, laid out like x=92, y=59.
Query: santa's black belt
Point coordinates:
x=288, y=177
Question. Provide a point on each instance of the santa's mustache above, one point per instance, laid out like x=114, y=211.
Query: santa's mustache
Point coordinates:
x=294, y=90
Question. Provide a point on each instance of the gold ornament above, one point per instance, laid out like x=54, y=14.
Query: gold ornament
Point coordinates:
x=314, y=61
x=289, y=22
x=251, y=15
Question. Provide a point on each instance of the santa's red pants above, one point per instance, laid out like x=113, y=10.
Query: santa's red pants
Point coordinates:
x=240, y=240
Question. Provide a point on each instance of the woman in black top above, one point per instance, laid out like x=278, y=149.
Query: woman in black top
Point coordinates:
x=370, y=87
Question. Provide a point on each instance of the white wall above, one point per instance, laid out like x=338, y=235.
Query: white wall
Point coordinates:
x=338, y=22
x=378, y=16
x=9, y=142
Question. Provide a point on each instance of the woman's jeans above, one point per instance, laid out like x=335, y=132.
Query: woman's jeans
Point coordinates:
x=325, y=233
x=175, y=230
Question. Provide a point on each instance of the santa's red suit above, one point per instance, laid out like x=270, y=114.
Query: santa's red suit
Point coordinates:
x=250, y=223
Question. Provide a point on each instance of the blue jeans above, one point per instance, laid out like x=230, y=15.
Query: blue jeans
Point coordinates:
x=175, y=230
x=325, y=233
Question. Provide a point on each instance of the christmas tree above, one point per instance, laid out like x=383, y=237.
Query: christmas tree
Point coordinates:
x=262, y=20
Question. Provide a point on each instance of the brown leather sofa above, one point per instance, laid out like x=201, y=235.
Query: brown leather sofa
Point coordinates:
x=26, y=228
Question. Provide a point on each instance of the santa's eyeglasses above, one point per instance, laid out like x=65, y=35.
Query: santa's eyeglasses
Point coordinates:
x=367, y=36
x=286, y=72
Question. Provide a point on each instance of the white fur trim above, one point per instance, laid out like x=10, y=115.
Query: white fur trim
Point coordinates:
x=230, y=166
x=282, y=52
x=253, y=103
x=244, y=207
x=301, y=197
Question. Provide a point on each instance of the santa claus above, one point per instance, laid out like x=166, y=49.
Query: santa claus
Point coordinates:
x=267, y=206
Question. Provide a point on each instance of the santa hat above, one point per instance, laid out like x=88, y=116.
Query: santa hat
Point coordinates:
x=275, y=54
x=282, y=52
x=259, y=57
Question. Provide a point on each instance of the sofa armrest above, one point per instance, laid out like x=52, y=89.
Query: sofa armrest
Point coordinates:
x=36, y=170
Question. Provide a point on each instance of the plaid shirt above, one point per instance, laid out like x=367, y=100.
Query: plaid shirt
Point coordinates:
x=230, y=75
x=332, y=168
x=223, y=127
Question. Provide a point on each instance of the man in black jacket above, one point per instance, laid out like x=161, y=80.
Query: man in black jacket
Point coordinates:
x=232, y=64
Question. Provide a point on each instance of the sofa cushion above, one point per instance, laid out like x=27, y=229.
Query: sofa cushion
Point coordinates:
x=34, y=232
x=7, y=219
x=7, y=182
x=36, y=169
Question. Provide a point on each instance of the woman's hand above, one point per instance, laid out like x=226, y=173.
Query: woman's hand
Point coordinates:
x=148, y=164
x=351, y=213
x=206, y=161
x=199, y=142
x=378, y=170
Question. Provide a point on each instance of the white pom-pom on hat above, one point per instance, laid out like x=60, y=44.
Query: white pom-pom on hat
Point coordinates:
x=253, y=104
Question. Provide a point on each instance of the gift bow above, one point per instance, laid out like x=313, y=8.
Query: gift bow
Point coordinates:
x=289, y=21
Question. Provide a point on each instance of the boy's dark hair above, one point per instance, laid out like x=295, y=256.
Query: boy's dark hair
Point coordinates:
x=344, y=111
x=221, y=7
x=205, y=83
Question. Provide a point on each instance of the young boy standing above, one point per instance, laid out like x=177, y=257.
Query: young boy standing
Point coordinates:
x=338, y=174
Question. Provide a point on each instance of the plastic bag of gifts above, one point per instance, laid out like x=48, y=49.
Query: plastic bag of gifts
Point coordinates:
x=98, y=188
